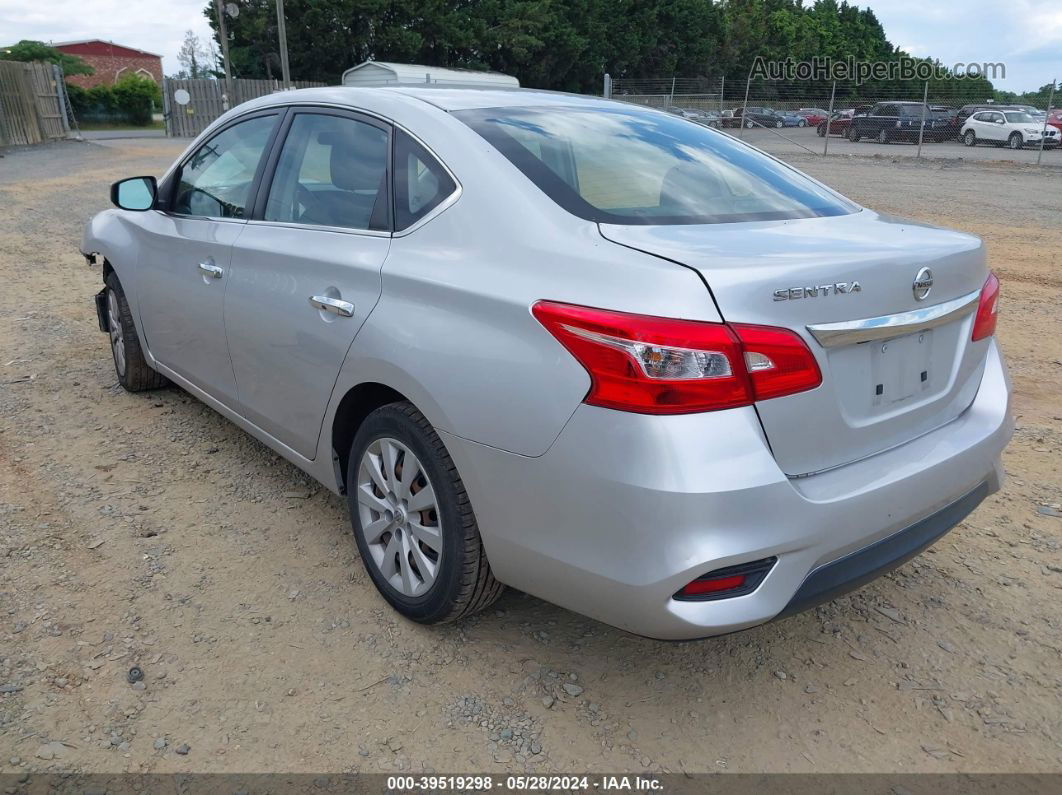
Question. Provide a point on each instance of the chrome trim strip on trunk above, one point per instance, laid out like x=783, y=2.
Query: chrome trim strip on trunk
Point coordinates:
x=850, y=332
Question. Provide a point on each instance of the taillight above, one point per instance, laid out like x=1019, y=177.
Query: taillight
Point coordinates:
x=655, y=365
x=987, y=309
x=778, y=361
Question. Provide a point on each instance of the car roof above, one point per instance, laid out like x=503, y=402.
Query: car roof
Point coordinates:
x=447, y=98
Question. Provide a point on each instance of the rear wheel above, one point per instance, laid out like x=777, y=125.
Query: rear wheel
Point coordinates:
x=883, y=136
x=802, y=123
x=412, y=519
x=748, y=125
x=1015, y=141
x=778, y=124
x=970, y=139
x=853, y=136
x=130, y=365
x=821, y=130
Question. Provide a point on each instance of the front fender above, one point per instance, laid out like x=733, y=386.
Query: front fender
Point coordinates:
x=109, y=235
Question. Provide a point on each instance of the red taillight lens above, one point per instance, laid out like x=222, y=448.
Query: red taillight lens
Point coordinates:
x=778, y=361
x=656, y=365
x=987, y=309
x=699, y=587
x=727, y=582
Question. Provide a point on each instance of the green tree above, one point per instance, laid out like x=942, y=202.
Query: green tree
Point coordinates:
x=27, y=50
x=553, y=43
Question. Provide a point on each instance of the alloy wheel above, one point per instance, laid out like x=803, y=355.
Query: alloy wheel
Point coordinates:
x=114, y=321
x=399, y=516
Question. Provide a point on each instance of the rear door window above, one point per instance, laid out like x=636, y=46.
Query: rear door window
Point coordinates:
x=332, y=171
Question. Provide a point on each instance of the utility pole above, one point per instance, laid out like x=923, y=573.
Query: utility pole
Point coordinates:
x=224, y=37
x=282, y=34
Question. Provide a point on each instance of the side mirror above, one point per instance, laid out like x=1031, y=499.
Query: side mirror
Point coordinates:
x=135, y=193
x=999, y=121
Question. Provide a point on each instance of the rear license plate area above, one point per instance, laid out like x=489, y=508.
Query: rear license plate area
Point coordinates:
x=900, y=368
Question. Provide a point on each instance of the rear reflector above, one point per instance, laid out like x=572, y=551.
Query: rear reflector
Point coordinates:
x=657, y=365
x=727, y=583
x=987, y=310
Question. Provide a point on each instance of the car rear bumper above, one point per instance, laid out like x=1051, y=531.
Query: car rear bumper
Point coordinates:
x=623, y=510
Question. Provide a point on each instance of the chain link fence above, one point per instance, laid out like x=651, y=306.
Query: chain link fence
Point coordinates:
x=941, y=118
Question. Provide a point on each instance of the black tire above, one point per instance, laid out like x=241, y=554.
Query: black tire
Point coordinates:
x=778, y=125
x=802, y=123
x=853, y=135
x=136, y=375
x=821, y=130
x=1015, y=141
x=464, y=583
x=970, y=138
x=883, y=136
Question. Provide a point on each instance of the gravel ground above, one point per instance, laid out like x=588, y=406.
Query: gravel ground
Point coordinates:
x=145, y=530
x=795, y=141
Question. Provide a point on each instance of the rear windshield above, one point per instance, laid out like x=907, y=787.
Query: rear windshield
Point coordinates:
x=636, y=166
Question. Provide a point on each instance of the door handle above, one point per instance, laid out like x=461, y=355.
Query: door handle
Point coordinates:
x=213, y=271
x=333, y=305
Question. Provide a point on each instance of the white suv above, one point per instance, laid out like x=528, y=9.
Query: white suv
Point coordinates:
x=1014, y=128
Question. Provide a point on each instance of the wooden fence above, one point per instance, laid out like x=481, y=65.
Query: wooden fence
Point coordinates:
x=31, y=103
x=209, y=99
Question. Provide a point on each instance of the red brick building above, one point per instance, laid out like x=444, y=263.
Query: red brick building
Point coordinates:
x=111, y=61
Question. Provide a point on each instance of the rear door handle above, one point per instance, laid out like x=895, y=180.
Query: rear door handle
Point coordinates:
x=213, y=271
x=333, y=305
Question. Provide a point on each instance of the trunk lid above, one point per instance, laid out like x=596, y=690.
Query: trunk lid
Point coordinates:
x=880, y=388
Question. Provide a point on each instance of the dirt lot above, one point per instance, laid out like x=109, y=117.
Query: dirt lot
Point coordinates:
x=146, y=530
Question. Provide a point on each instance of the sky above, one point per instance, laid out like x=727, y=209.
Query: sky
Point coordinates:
x=1026, y=35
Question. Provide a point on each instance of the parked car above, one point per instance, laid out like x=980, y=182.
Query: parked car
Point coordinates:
x=709, y=118
x=790, y=118
x=728, y=119
x=1054, y=119
x=949, y=114
x=758, y=117
x=1014, y=128
x=684, y=390
x=814, y=116
x=966, y=111
x=838, y=125
x=898, y=121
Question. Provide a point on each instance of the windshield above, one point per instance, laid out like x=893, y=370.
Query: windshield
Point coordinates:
x=1019, y=117
x=622, y=166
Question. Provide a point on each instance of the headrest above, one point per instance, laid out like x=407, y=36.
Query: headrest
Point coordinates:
x=358, y=159
x=686, y=187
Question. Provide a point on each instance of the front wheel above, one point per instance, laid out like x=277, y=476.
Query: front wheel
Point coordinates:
x=883, y=136
x=412, y=519
x=821, y=130
x=748, y=125
x=970, y=139
x=853, y=136
x=778, y=125
x=130, y=365
x=1015, y=141
x=802, y=123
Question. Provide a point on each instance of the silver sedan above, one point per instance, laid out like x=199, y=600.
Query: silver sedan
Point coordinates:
x=589, y=350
